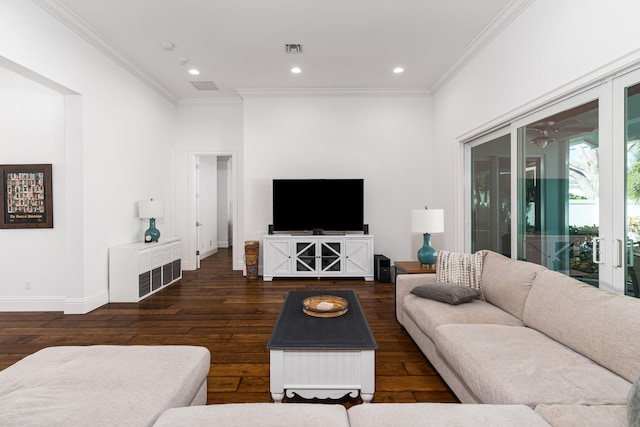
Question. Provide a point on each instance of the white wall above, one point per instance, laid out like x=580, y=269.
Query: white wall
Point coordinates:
x=118, y=149
x=206, y=128
x=551, y=48
x=384, y=139
x=32, y=119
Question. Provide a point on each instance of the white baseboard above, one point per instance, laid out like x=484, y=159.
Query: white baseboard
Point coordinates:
x=24, y=303
x=85, y=305
x=66, y=305
x=210, y=252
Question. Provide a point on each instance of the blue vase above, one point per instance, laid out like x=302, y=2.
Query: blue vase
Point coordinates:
x=152, y=234
x=426, y=254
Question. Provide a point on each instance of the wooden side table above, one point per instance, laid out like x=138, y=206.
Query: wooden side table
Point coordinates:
x=413, y=267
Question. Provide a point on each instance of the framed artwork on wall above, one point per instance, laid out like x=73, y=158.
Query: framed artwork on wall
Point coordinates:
x=27, y=200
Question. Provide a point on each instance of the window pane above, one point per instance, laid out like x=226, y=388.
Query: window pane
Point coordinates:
x=558, y=192
x=491, y=196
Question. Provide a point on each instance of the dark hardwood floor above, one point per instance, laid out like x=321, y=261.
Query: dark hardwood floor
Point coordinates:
x=218, y=308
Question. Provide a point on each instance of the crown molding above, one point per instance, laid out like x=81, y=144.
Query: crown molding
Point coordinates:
x=510, y=12
x=77, y=25
x=333, y=93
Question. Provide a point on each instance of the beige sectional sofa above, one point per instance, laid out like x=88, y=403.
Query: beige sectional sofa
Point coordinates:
x=564, y=348
x=542, y=349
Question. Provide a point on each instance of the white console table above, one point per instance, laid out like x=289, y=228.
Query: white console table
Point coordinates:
x=138, y=270
x=288, y=255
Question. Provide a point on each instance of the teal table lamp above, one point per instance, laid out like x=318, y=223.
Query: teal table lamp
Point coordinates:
x=151, y=209
x=427, y=221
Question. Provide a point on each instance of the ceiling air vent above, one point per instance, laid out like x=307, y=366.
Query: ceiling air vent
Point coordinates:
x=204, y=85
x=293, y=48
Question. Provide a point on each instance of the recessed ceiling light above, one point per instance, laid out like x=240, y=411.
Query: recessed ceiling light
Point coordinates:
x=398, y=70
x=296, y=70
x=194, y=72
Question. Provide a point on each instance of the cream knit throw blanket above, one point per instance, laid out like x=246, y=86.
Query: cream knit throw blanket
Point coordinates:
x=461, y=269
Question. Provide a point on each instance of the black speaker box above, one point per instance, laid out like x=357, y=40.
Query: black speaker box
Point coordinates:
x=382, y=269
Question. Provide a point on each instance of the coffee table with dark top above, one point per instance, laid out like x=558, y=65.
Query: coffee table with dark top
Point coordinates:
x=324, y=358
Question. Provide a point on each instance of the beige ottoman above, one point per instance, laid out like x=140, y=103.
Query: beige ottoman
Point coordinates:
x=102, y=385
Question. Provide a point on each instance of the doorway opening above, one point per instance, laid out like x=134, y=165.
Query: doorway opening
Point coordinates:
x=214, y=201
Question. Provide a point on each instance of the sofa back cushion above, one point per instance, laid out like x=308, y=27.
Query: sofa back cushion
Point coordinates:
x=506, y=282
x=600, y=325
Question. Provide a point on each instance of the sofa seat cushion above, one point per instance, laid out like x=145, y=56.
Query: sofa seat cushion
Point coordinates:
x=101, y=385
x=442, y=414
x=256, y=414
x=429, y=314
x=515, y=364
x=584, y=415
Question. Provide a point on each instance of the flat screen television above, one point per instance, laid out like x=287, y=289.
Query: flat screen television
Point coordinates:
x=318, y=205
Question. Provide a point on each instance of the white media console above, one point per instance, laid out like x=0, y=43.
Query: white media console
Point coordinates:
x=138, y=270
x=289, y=255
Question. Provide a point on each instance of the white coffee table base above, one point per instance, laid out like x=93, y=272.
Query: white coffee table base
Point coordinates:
x=323, y=374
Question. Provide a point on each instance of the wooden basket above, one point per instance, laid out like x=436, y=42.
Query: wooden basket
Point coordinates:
x=325, y=306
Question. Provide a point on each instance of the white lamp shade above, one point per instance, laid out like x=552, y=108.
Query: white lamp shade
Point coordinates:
x=427, y=220
x=150, y=209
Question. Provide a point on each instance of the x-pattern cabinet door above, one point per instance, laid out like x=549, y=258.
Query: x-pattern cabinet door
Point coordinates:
x=358, y=256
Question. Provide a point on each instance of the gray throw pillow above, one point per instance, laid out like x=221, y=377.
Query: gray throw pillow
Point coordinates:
x=446, y=292
x=633, y=404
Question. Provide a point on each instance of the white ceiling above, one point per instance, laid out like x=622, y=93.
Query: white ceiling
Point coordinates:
x=240, y=44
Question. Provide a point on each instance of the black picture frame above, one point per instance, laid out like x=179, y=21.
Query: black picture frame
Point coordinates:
x=27, y=198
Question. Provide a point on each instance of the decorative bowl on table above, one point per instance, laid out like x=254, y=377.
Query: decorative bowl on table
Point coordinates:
x=325, y=306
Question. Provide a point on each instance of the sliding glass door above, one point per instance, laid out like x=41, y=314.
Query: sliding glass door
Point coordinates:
x=565, y=182
x=559, y=192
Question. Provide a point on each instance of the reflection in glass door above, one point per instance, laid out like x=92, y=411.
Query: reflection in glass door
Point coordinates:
x=491, y=196
x=632, y=188
x=558, y=192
